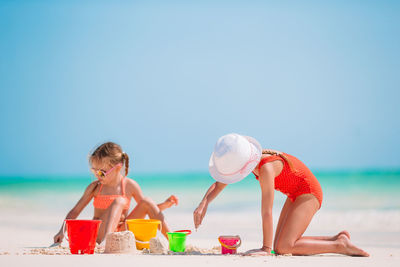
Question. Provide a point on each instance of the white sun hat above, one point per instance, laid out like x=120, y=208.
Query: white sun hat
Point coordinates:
x=234, y=157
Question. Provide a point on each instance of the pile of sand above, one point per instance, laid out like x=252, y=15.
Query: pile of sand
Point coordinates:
x=159, y=247
x=124, y=242
x=56, y=250
x=193, y=250
x=120, y=242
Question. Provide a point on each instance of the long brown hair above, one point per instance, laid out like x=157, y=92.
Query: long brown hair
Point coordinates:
x=113, y=153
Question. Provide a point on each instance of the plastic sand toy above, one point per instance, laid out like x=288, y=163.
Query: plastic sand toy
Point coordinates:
x=144, y=230
x=82, y=235
x=229, y=244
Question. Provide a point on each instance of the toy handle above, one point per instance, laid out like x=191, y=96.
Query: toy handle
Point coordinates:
x=230, y=247
x=142, y=242
x=64, y=228
x=188, y=232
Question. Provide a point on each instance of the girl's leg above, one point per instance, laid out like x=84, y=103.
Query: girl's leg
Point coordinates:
x=110, y=218
x=147, y=207
x=282, y=218
x=331, y=238
x=297, y=220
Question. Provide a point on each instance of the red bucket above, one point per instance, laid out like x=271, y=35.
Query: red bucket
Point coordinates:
x=229, y=244
x=82, y=235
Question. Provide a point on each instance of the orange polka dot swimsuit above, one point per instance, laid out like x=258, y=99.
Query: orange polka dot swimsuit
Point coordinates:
x=295, y=178
x=104, y=201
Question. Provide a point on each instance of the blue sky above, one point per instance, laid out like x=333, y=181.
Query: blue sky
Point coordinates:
x=165, y=79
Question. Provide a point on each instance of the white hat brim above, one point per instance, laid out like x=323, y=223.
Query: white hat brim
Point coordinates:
x=230, y=179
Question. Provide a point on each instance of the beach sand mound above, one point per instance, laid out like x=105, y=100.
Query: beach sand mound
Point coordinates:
x=120, y=242
x=157, y=246
x=193, y=250
x=57, y=250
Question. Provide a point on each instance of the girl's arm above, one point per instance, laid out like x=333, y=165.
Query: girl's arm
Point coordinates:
x=201, y=210
x=137, y=193
x=77, y=209
x=266, y=179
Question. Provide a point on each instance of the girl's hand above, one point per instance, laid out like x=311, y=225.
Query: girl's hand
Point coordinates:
x=199, y=214
x=172, y=200
x=58, y=238
x=122, y=223
x=258, y=252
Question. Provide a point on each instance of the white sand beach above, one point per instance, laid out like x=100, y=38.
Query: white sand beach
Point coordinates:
x=380, y=257
x=29, y=221
x=25, y=240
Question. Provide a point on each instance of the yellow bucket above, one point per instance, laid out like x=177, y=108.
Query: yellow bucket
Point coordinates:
x=144, y=230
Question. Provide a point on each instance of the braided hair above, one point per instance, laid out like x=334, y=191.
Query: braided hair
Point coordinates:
x=111, y=152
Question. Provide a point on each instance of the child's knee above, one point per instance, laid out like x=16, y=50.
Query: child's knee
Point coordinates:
x=146, y=201
x=283, y=247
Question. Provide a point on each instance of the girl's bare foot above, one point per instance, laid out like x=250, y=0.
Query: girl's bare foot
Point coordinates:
x=172, y=200
x=344, y=232
x=349, y=248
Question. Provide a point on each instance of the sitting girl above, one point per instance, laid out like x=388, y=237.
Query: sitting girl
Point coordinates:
x=112, y=193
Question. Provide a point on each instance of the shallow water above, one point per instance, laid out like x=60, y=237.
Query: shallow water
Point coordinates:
x=366, y=203
x=342, y=190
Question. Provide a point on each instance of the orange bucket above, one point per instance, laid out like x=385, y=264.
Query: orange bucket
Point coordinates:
x=144, y=230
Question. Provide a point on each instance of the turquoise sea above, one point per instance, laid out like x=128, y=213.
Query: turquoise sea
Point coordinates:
x=342, y=190
x=367, y=203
